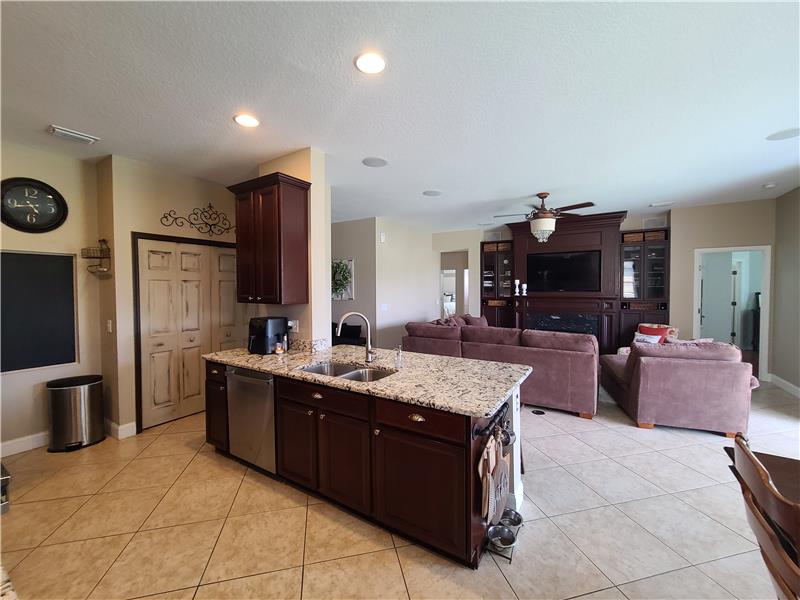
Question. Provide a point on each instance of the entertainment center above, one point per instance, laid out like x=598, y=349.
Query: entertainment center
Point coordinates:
x=589, y=277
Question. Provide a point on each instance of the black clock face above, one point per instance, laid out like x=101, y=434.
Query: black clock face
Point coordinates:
x=32, y=206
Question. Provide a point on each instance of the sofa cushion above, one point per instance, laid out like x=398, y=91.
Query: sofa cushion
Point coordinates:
x=449, y=322
x=689, y=350
x=559, y=340
x=476, y=321
x=441, y=332
x=662, y=331
x=614, y=365
x=490, y=335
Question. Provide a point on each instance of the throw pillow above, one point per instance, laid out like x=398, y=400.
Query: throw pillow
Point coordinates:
x=661, y=332
x=647, y=339
x=479, y=321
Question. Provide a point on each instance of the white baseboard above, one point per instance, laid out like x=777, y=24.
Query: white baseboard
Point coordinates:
x=786, y=386
x=22, y=444
x=120, y=431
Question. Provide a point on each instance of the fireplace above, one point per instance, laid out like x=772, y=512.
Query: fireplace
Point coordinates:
x=569, y=322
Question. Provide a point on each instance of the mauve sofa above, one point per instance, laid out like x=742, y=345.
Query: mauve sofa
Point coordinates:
x=565, y=365
x=694, y=385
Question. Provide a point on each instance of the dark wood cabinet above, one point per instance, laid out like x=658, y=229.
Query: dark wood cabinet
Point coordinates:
x=216, y=407
x=272, y=239
x=296, y=442
x=420, y=488
x=497, y=283
x=344, y=460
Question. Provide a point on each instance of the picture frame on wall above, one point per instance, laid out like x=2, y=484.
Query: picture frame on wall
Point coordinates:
x=342, y=279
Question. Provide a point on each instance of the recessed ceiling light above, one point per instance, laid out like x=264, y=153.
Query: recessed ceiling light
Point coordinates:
x=374, y=161
x=431, y=193
x=246, y=120
x=784, y=135
x=770, y=185
x=370, y=63
x=660, y=204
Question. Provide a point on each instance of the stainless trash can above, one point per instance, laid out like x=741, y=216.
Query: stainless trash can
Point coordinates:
x=76, y=412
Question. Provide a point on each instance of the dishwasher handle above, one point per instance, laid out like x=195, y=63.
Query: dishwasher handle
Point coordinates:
x=240, y=373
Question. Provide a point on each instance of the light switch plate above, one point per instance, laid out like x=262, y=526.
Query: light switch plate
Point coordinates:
x=294, y=325
x=110, y=326
x=383, y=237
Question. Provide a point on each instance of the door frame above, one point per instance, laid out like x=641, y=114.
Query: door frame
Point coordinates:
x=766, y=298
x=137, y=322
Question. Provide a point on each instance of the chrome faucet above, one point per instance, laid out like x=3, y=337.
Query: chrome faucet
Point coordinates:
x=370, y=353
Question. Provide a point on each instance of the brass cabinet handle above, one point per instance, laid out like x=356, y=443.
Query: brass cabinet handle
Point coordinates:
x=316, y=396
x=258, y=297
x=376, y=431
x=214, y=372
x=321, y=416
x=416, y=417
x=249, y=297
x=309, y=412
x=222, y=388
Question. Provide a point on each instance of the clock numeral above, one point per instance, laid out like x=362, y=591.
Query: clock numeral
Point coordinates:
x=31, y=218
x=31, y=192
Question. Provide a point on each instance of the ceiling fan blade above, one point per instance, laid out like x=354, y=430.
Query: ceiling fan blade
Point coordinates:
x=567, y=214
x=574, y=206
x=509, y=215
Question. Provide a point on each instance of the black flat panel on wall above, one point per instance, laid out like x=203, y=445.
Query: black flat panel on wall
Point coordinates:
x=37, y=310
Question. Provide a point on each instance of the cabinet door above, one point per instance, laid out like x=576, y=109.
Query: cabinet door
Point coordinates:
x=296, y=442
x=420, y=488
x=267, y=264
x=245, y=248
x=632, y=271
x=489, y=274
x=655, y=270
x=344, y=461
x=217, y=414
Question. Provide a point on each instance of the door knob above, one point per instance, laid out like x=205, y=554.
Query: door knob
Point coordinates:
x=191, y=339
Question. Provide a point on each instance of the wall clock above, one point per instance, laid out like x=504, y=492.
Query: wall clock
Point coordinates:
x=32, y=206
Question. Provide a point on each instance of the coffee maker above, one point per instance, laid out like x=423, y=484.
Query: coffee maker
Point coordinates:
x=265, y=333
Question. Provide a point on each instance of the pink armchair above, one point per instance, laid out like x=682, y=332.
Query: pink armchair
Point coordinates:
x=693, y=385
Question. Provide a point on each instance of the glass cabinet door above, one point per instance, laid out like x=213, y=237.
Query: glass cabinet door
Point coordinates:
x=632, y=271
x=505, y=274
x=488, y=280
x=655, y=271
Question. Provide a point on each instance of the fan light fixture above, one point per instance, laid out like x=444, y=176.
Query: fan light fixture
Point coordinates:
x=543, y=219
x=543, y=227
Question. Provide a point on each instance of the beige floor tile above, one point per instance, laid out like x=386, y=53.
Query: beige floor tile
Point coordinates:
x=533, y=458
x=12, y=558
x=333, y=533
x=208, y=465
x=658, y=438
x=184, y=594
x=175, y=443
x=548, y=565
x=613, y=482
x=108, y=514
x=367, y=576
x=28, y=525
x=687, y=531
x=160, y=560
x=66, y=570
x=193, y=501
x=570, y=422
x=744, y=575
x=430, y=576
x=23, y=482
x=41, y=459
x=253, y=544
x=206, y=447
x=723, y=504
x=529, y=511
x=196, y=422
x=713, y=463
x=278, y=585
x=611, y=443
x=611, y=593
x=112, y=450
x=622, y=549
x=677, y=585
x=148, y=472
x=74, y=481
x=259, y=493
x=156, y=429
x=535, y=426
x=399, y=541
x=555, y=491
x=566, y=449
x=666, y=473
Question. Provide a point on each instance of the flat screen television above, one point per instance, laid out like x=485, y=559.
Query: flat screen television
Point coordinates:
x=564, y=272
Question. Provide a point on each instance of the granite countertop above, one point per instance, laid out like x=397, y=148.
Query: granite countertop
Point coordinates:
x=465, y=386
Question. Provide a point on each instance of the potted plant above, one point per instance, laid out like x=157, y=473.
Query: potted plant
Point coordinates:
x=342, y=279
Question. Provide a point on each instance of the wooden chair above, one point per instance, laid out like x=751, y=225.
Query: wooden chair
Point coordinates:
x=774, y=519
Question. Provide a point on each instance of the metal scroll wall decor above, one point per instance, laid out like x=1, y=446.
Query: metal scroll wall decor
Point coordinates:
x=205, y=220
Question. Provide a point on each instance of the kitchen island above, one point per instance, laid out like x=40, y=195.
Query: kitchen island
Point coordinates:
x=402, y=449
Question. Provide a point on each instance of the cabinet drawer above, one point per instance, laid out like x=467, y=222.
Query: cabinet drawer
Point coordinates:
x=215, y=371
x=419, y=419
x=320, y=396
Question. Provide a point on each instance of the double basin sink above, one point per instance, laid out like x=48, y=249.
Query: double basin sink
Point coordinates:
x=346, y=371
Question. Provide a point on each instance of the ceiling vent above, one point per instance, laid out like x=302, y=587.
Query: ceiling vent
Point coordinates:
x=72, y=135
x=654, y=222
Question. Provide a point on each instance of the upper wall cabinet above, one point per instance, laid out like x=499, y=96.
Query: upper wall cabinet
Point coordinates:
x=272, y=239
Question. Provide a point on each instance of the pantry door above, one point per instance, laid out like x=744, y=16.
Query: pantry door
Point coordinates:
x=229, y=319
x=175, y=328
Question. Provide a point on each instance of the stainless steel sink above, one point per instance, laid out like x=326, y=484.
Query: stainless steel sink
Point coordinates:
x=366, y=375
x=332, y=369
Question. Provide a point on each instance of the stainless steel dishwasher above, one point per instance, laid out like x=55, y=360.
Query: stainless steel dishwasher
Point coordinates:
x=251, y=416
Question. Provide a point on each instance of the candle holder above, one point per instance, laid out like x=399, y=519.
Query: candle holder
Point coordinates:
x=524, y=289
x=516, y=287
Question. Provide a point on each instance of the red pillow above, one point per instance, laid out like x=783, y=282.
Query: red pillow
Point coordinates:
x=660, y=331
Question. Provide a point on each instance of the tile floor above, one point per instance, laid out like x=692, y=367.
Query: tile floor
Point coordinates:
x=611, y=511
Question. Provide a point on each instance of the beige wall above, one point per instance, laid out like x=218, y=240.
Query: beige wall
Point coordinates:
x=356, y=240
x=24, y=398
x=308, y=164
x=407, y=280
x=785, y=341
x=141, y=193
x=469, y=240
x=711, y=226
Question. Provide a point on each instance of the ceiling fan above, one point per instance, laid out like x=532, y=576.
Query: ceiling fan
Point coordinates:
x=543, y=219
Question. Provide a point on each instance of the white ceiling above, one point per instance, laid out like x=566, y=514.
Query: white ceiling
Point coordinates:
x=621, y=104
